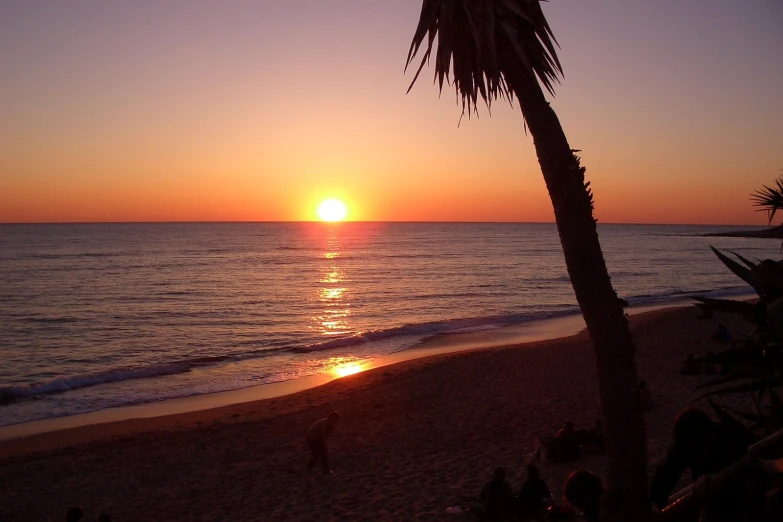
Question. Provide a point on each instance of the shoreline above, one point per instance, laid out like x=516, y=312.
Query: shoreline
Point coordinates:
x=413, y=437
x=119, y=420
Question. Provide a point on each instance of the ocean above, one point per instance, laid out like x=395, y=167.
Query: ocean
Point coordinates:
x=94, y=316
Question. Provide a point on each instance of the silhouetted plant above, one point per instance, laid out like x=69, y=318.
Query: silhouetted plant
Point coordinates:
x=770, y=199
x=754, y=364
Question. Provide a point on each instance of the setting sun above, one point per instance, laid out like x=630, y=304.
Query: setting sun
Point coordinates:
x=332, y=210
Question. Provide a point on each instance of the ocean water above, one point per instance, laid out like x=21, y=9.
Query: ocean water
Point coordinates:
x=102, y=315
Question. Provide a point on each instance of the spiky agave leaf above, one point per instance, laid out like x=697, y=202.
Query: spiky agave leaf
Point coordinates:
x=469, y=34
x=743, y=273
x=769, y=273
x=747, y=262
x=753, y=312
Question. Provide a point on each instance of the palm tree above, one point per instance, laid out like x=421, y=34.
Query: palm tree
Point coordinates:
x=505, y=49
x=769, y=199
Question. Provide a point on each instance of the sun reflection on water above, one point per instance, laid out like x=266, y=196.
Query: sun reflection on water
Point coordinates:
x=343, y=366
x=347, y=370
x=333, y=276
x=335, y=311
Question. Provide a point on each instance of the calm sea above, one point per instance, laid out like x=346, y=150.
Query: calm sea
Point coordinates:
x=100, y=315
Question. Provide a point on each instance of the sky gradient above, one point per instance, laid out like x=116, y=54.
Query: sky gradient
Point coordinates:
x=192, y=110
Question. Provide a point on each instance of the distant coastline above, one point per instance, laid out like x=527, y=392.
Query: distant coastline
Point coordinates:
x=773, y=232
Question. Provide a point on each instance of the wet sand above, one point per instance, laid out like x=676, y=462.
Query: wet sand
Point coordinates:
x=413, y=436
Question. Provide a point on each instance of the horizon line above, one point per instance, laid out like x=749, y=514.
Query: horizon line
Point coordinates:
x=337, y=223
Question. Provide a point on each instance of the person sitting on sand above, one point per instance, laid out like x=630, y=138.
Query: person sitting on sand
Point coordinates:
x=584, y=490
x=645, y=397
x=705, y=447
x=532, y=496
x=316, y=440
x=595, y=439
x=690, y=366
x=721, y=335
x=496, y=499
x=565, y=447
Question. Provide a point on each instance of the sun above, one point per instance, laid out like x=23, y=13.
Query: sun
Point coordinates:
x=332, y=210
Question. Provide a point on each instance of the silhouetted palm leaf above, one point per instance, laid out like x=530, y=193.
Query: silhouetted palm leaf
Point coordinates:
x=469, y=35
x=770, y=199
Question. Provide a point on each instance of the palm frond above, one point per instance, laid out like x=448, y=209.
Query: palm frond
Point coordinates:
x=469, y=34
x=770, y=199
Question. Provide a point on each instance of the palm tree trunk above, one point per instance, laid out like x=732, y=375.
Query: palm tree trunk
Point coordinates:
x=624, y=429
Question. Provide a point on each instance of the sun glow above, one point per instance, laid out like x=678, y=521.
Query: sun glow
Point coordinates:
x=332, y=210
x=350, y=369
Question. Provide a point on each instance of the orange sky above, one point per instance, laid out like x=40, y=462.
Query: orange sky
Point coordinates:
x=258, y=110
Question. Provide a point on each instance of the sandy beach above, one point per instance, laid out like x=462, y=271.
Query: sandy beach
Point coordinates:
x=413, y=436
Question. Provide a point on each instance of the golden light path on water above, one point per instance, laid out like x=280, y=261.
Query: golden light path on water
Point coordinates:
x=335, y=309
x=332, y=295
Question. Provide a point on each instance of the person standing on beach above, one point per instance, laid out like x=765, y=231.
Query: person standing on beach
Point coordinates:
x=316, y=440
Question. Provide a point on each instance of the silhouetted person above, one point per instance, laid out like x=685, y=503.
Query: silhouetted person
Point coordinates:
x=316, y=440
x=690, y=366
x=565, y=447
x=104, y=518
x=75, y=514
x=532, y=495
x=645, y=397
x=496, y=499
x=705, y=447
x=721, y=335
x=584, y=490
